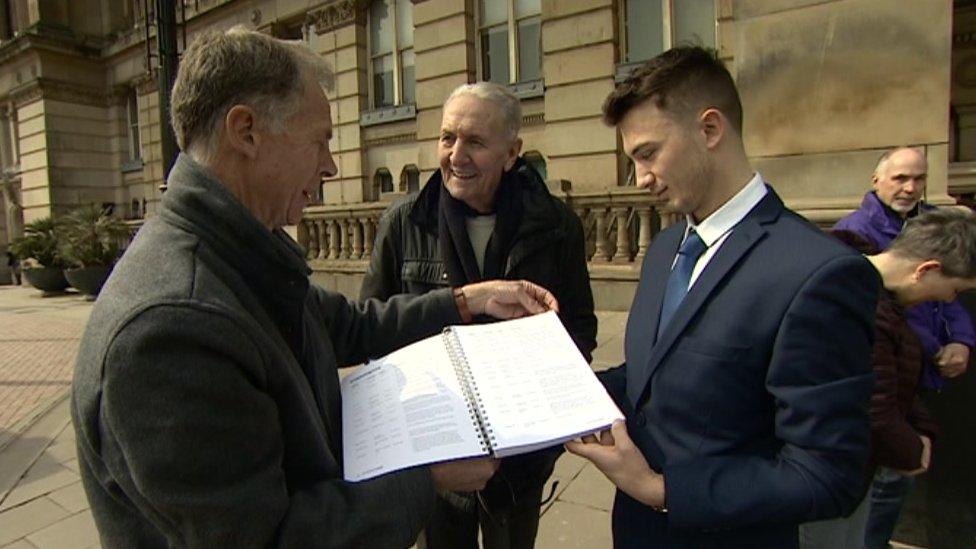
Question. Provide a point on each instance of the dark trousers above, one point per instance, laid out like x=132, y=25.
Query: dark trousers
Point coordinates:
x=456, y=527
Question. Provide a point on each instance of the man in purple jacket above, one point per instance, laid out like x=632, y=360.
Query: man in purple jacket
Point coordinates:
x=944, y=329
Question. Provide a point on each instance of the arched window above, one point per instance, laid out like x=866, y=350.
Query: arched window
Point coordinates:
x=409, y=179
x=382, y=182
x=538, y=162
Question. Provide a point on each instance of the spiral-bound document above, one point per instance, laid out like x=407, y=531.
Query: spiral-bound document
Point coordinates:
x=496, y=389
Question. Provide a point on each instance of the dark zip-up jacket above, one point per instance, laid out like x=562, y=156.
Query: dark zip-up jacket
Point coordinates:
x=548, y=249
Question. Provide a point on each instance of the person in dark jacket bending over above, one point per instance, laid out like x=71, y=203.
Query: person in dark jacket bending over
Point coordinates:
x=206, y=394
x=944, y=330
x=933, y=259
x=486, y=214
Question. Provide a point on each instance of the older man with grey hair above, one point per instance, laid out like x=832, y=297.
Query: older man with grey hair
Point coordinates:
x=206, y=394
x=486, y=214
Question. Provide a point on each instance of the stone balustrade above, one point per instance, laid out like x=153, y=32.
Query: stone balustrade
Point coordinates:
x=340, y=233
x=618, y=225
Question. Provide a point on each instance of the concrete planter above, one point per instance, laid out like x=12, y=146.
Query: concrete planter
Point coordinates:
x=46, y=279
x=88, y=280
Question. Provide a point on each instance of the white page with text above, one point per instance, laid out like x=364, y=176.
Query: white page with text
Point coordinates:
x=406, y=409
x=536, y=389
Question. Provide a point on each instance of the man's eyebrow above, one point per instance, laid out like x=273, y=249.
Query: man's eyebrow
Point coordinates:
x=633, y=151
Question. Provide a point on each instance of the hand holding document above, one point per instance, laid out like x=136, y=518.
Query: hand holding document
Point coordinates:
x=482, y=390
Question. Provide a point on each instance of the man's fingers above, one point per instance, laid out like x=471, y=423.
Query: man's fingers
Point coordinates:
x=530, y=296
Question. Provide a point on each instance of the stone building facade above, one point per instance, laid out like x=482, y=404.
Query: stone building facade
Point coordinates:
x=826, y=86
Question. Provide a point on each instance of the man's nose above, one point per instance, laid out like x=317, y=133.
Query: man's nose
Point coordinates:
x=328, y=166
x=643, y=180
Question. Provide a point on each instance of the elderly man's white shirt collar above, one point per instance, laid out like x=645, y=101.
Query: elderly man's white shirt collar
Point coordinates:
x=722, y=220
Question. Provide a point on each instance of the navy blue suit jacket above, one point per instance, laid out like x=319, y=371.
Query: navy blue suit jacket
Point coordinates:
x=754, y=402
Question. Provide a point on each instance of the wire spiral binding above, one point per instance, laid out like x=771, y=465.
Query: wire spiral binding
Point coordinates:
x=472, y=397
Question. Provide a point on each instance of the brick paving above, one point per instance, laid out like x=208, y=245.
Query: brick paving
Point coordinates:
x=38, y=343
x=42, y=503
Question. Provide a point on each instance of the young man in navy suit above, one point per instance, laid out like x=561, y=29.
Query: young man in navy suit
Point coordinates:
x=747, y=373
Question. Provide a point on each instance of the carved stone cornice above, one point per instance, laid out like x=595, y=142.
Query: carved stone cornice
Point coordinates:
x=58, y=90
x=338, y=14
x=391, y=139
x=147, y=83
x=533, y=119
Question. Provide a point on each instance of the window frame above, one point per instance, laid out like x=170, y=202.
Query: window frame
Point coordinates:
x=511, y=24
x=397, y=54
x=133, y=126
x=626, y=65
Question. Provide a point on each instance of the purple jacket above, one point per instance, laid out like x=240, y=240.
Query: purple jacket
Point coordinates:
x=936, y=323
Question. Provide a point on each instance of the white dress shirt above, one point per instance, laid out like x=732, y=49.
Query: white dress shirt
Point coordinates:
x=714, y=229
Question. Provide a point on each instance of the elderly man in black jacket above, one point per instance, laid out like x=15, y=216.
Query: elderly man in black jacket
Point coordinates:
x=486, y=214
x=206, y=393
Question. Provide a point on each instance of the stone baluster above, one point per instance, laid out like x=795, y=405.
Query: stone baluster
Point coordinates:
x=622, y=255
x=345, y=241
x=356, y=227
x=603, y=253
x=322, y=230
x=644, y=232
x=304, y=238
x=334, y=238
x=369, y=235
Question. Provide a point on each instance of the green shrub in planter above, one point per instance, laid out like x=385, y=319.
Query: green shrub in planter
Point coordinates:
x=92, y=240
x=39, y=253
x=40, y=245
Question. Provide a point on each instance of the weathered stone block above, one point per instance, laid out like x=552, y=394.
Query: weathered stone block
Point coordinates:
x=813, y=80
x=441, y=32
x=576, y=100
x=432, y=93
x=446, y=60
x=553, y=9
x=586, y=28
x=566, y=67
x=582, y=136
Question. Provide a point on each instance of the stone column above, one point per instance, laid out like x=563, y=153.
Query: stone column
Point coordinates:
x=444, y=46
x=340, y=37
x=578, y=65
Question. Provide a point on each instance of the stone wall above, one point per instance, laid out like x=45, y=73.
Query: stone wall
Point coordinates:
x=828, y=86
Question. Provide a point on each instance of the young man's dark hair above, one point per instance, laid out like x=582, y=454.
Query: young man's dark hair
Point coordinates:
x=684, y=79
x=947, y=234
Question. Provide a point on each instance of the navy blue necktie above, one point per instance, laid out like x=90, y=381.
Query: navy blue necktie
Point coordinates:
x=680, y=276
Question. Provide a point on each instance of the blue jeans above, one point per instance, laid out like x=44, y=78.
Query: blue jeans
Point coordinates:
x=889, y=490
x=838, y=533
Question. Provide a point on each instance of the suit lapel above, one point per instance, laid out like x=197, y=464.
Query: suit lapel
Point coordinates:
x=744, y=236
x=658, y=269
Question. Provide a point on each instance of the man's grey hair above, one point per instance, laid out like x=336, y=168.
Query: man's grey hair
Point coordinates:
x=882, y=165
x=947, y=235
x=504, y=99
x=239, y=67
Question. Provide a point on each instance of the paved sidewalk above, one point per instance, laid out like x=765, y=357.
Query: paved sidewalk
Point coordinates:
x=42, y=503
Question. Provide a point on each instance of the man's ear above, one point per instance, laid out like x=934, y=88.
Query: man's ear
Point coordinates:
x=513, y=153
x=926, y=267
x=713, y=126
x=240, y=130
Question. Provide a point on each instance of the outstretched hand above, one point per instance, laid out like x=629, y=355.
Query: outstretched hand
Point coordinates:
x=508, y=298
x=463, y=475
x=616, y=455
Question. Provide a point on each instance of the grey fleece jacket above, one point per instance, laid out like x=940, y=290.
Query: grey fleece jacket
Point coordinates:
x=206, y=395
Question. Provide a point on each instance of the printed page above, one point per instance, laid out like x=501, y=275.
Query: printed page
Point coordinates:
x=536, y=389
x=403, y=410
